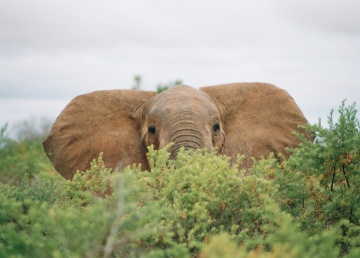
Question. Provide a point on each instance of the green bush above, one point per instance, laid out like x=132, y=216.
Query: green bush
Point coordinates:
x=17, y=159
x=196, y=205
x=75, y=221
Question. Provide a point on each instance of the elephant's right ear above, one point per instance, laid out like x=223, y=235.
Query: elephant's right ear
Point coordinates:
x=258, y=118
x=101, y=121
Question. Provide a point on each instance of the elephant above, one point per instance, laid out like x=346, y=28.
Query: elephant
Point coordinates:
x=252, y=119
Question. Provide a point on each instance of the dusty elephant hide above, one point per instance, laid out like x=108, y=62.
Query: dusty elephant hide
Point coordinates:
x=253, y=119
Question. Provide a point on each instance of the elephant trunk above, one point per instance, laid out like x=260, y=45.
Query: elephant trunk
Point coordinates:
x=189, y=138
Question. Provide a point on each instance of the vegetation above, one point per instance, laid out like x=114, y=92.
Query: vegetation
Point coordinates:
x=159, y=88
x=195, y=206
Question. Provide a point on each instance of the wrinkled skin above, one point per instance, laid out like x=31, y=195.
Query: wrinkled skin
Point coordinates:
x=185, y=116
x=253, y=119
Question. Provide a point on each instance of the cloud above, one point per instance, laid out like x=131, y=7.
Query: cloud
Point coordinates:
x=19, y=109
x=52, y=51
x=97, y=24
x=59, y=74
x=340, y=17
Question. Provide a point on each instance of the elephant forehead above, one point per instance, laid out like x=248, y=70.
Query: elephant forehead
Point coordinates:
x=181, y=100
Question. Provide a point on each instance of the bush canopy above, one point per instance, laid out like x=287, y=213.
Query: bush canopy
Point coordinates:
x=199, y=205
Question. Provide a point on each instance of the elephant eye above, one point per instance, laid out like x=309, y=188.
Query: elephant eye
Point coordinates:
x=152, y=129
x=216, y=127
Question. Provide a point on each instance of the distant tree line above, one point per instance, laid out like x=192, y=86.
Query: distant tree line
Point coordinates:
x=160, y=87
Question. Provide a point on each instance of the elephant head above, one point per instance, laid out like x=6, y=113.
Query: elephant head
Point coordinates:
x=253, y=119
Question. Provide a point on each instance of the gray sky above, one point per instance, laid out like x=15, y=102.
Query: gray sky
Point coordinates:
x=51, y=51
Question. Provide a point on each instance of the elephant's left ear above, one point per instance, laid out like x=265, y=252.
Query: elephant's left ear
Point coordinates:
x=258, y=118
x=100, y=121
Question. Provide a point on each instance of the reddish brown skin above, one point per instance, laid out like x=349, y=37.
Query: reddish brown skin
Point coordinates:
x=253, y=119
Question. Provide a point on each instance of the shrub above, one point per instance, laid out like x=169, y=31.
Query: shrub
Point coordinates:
x=325, y=178
x=21, y=158
x=198, y=204
x=73, y=222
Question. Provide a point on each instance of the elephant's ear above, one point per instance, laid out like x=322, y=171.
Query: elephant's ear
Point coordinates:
x=101, y=121
x=258, y=118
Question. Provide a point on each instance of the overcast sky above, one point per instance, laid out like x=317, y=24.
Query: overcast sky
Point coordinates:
x=51, y=51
